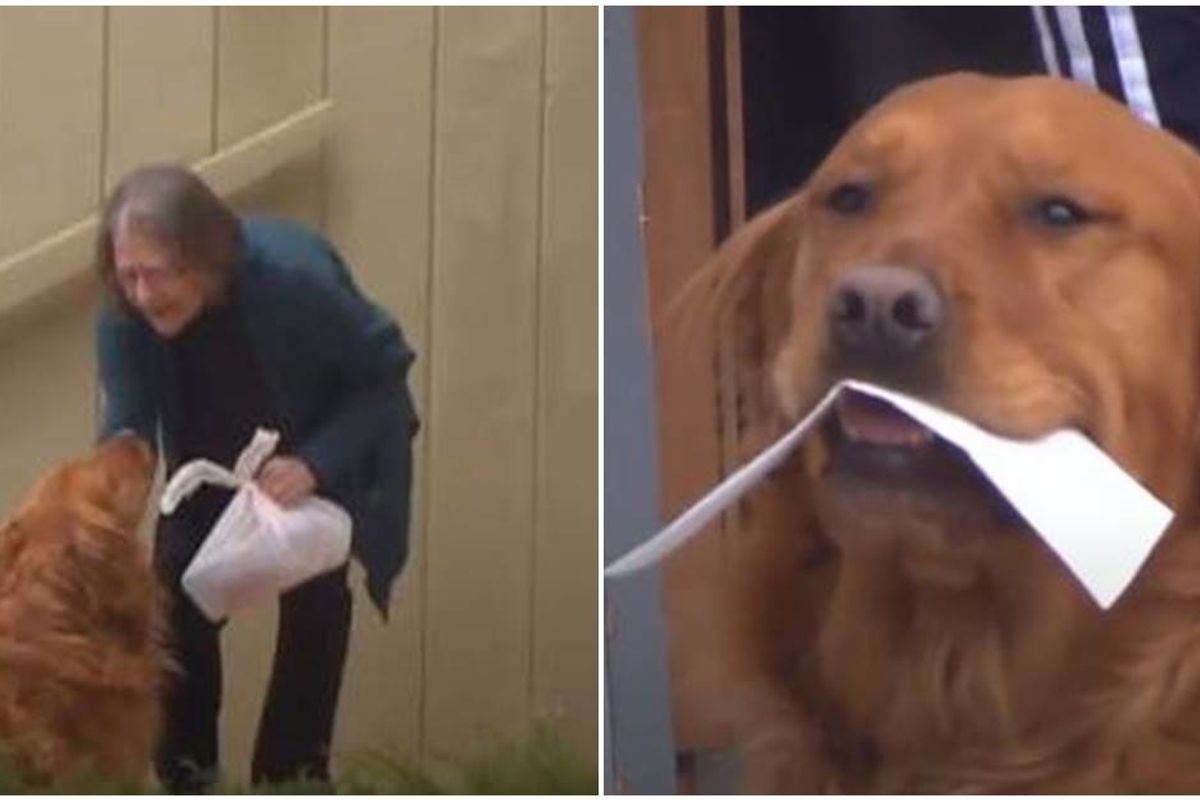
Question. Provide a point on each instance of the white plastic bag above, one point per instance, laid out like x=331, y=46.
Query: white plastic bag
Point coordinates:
x=257, y=549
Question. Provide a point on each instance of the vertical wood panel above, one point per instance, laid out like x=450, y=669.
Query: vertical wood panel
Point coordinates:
x=50, y=118
x=160, y=87
x=50, y=90
x=381, y=80
x=269, y=64
x=45, y=388
x=480, y=467
x=680, y=233
x=565, y=611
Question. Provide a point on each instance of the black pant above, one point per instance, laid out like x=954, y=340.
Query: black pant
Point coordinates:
x=296, y=728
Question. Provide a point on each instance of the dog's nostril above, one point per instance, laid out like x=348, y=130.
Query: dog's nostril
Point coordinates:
x=910, y=312
x=849, y=307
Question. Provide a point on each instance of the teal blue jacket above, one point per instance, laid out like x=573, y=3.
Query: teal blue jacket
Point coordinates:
x=335, y=364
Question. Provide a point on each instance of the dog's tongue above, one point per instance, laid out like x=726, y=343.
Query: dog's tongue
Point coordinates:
x=869, y=419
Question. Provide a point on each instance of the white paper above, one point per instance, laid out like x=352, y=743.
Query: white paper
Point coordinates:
x=1100, y=521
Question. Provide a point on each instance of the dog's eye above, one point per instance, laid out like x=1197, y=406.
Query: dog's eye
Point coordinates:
x=849, y=198
x=1057, y=211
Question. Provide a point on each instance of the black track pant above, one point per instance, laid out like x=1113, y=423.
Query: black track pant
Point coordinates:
x=296, y=728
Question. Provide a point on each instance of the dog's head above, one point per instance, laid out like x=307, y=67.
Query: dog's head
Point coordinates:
x=1022, y=252
x=71, y=549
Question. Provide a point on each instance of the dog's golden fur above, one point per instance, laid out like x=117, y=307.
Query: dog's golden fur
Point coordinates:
x=882, y=639
x=81, y=655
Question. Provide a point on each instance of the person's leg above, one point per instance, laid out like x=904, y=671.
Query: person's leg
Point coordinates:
x=186, y=760
x=297, y=722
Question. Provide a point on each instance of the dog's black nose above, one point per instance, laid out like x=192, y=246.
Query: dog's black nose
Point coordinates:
x=881, y=315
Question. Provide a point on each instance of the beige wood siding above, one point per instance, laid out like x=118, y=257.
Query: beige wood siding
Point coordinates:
x=563, y=669
x=270, y=61
x=159, y=80
x=49, y=152
x=482, y=377
x=456, y=169
x=379, y=207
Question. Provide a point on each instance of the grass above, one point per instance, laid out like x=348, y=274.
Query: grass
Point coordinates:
x=540, y=762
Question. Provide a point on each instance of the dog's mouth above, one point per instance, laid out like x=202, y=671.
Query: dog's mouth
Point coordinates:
x=873, y=445
x=887, y=479
x=869, y=421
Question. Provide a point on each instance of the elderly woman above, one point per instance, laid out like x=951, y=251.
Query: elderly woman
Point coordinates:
x=214, y=326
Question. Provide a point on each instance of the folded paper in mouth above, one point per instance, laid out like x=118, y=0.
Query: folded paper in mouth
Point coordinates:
x=1100, y=521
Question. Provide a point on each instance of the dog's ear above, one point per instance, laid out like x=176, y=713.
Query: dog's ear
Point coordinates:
x=738, y=303
x=761, y=251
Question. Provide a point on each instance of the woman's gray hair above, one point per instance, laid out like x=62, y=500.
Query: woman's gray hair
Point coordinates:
x=170, y=203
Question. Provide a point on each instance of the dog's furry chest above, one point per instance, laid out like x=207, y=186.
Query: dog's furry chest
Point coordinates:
x=927, y=690
x=915, y=682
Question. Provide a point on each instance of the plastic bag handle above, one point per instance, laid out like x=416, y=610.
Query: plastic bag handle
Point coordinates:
x=258, y=451
x=194, y=474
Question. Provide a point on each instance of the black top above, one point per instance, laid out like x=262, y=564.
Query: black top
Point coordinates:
x=221, y=389
x=808, y=73
x=223, y=399
x=1165, y=53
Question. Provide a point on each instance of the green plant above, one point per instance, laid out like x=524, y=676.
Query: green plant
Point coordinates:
x=539, y=762
x=542, y=763
x=373, y=772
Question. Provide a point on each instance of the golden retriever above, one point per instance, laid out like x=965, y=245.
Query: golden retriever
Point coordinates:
x=1025, y=253
x=81, y=654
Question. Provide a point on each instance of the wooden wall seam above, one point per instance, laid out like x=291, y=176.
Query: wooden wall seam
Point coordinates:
x=323, y=155
x=427, y=410
x=538, y=457
x=105, y=80
x=324, y=51
x=214, y=140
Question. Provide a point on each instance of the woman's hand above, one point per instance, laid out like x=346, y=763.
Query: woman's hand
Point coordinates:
x=286, y=480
